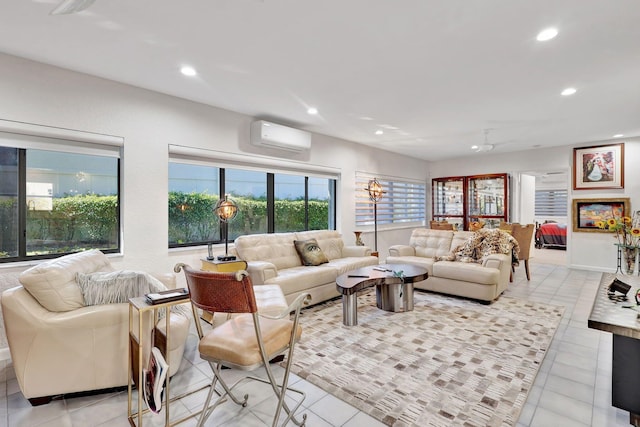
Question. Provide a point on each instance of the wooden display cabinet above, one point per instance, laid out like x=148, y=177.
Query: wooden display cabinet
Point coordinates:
x=463, y=199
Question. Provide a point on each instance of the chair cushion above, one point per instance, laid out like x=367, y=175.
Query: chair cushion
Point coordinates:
x=235, y=342
x=310, y=252
x=53, y=283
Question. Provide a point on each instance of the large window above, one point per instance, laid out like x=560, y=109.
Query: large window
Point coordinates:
x=402, y=203
x=57, y=202
x=267, y=202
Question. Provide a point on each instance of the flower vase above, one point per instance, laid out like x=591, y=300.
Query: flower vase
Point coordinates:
x=629, y=260
x=359, y=241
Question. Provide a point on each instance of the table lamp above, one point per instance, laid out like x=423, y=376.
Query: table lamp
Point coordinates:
x=226, y=209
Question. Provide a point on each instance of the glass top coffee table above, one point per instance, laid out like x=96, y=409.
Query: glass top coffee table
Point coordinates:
x=388, y=288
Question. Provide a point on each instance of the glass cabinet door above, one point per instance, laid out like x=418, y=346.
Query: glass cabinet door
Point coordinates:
x=487, y=199
x=464, y=199
x=448, y=200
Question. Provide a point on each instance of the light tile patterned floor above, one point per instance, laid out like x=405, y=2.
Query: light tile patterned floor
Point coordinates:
x=573, y=387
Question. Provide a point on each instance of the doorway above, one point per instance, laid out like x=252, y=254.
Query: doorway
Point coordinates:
x=544, y=199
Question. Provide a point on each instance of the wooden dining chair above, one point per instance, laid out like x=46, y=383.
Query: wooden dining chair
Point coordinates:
x=440, y=225
x=524, y=235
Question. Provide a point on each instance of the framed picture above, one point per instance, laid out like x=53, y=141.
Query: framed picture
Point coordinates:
x=598, y=167
x=586, y=212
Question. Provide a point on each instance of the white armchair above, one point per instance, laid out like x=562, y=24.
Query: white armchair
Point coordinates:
x=83, y=348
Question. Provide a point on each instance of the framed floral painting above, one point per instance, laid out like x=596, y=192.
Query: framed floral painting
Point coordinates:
x=587, y=213
x=598, y=167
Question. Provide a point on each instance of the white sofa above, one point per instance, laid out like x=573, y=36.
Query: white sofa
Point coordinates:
x=272, y=259
x=483, y=281
x=60, y=346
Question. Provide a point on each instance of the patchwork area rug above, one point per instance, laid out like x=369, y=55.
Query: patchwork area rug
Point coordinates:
x=449, y=362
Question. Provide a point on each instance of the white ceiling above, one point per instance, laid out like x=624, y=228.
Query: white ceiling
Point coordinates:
x=432, y=74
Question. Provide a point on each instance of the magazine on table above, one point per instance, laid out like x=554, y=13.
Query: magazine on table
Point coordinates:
x=154, y=377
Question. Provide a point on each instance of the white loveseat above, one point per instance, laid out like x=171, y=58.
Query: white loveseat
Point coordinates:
x=272, y=259
x=59, y=345
x=483, y=281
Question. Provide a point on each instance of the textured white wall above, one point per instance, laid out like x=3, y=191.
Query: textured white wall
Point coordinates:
x=149, y=122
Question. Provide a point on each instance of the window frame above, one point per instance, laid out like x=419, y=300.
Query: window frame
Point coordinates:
x=270, y=172
x=27, y=136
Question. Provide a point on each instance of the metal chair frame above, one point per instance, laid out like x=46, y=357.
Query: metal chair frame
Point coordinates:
x=233, y=293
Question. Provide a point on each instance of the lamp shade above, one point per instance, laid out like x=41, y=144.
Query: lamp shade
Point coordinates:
x=374, y=188
x=226, y=209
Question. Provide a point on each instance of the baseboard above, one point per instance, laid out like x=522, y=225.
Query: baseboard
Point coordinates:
x=5, y=354
x=591, y=268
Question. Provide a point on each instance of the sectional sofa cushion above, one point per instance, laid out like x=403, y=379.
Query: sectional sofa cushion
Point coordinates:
x=53, y=283
x=277, y=248
x=431, y=243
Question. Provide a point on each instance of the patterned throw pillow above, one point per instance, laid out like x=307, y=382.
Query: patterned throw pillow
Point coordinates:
x=310, y=252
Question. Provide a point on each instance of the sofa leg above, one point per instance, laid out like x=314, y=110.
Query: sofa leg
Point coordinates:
x=37, y=401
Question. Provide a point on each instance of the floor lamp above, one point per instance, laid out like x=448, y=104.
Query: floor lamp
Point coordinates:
x=375, y=195
x=226, y=210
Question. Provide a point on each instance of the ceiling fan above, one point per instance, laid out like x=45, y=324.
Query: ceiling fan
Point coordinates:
x=67, y=7
x=484, y=147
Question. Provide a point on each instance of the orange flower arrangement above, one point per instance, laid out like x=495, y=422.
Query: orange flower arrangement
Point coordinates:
x=625, y=233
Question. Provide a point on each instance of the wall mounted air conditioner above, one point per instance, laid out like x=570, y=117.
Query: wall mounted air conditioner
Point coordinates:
x=272, y=135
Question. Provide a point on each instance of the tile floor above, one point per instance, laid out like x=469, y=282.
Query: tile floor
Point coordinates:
x=573, y=387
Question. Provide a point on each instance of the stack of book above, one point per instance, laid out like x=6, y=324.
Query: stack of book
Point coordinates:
x=154, y=377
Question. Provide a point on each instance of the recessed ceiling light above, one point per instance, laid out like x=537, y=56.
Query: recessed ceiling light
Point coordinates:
x=188, y=71
x=618, y=135
x=474, y=147
x=379, y=132
x=547, y=34
x=312, y=111
x=568, y=91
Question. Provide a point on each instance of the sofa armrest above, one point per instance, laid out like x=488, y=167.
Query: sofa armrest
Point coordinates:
x=261, y=271
x=356, y=251
x=168, y=279
x=499, y=261
x=402, y=250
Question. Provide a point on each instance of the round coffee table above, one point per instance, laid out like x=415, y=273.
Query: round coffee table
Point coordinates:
x=388, y=288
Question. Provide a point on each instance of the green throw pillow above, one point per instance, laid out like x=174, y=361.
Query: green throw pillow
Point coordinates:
x=310, y=252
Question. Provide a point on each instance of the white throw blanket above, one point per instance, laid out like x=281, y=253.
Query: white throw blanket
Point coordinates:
x=118, y=286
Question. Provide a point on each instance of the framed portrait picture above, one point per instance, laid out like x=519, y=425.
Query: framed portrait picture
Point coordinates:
x=598, y=167
x=587, y=212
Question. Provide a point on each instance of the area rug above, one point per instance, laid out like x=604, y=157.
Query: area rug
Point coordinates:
x=451, y=361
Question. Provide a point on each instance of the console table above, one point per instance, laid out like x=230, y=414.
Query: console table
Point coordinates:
x=624, y=323
x=140, y=306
